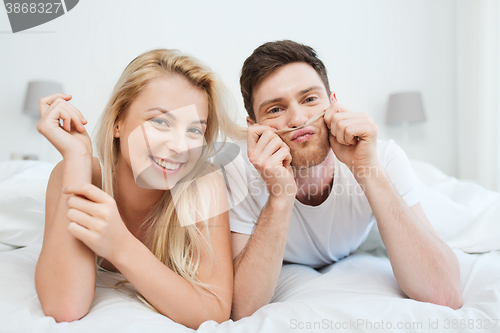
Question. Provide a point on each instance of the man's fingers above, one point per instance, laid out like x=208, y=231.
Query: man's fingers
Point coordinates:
x=352, y=132
x=339, y=120
x=335, y=110
x=348, y=131
x=282, y=154
x=254, y=133
x=265, y=139
x=273, y=146
x=263, y=135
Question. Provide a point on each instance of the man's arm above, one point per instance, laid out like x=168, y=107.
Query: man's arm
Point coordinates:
x=425, y=267
x=258, y=258
x=258, y=265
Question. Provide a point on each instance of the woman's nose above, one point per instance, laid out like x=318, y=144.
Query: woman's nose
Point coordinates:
x=178, y=145
x=297, y=116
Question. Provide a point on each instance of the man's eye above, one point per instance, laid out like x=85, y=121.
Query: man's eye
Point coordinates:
x=274, y=110
x=310, y=99
x=161, y=122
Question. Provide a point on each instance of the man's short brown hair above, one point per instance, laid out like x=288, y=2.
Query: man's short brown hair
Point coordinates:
x=269, y=57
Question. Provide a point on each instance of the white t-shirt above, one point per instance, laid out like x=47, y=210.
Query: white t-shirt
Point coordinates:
x=321, y=235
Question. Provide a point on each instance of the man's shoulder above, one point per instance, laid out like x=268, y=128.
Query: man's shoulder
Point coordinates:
x=387, y=150
x=243, y=145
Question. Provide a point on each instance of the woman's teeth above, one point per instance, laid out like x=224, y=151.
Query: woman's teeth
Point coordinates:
x=166, y=165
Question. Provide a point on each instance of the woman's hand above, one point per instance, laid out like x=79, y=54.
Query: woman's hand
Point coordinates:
x=69, y=139
x=95, y=220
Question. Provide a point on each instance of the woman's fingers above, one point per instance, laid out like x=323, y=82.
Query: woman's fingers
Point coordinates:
x=46, y=102
x=78, y=113
x=76, y=116
x=58, y=101
x=66, y=118
x=61, y=109
x=84, y=205
x=89, y=191
x=82, y=233
x=83, y=219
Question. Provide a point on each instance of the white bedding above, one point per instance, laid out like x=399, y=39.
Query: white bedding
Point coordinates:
x=358, y=293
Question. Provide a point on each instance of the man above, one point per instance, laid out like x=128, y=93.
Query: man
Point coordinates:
x=315, y=192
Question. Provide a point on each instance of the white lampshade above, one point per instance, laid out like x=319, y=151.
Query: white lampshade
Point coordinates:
x=405, y=107
x=37, y=90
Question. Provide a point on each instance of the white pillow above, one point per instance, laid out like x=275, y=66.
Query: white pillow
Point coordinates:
x=23, y=185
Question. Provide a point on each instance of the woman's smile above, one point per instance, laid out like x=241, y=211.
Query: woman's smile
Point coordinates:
x=166, y=166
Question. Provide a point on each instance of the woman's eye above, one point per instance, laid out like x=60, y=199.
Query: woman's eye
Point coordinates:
x=161, y=122
x=195, y=130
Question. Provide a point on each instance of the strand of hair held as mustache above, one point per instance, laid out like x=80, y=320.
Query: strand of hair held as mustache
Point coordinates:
x=307, y=123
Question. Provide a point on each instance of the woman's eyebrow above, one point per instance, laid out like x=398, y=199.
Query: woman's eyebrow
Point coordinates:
x=159, y=108
x=170, y=114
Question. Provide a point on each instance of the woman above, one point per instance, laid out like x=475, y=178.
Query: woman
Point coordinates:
x=153, y=222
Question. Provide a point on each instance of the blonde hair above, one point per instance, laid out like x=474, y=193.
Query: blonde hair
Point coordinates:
x=177, y=247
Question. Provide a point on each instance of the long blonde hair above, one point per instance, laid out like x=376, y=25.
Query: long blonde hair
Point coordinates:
x=177, y=247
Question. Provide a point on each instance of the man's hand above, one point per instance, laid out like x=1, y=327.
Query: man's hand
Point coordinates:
x=353, y=137
x=271, y=157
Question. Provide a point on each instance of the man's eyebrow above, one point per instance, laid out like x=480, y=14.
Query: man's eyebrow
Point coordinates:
x=269, y=101
x=305, y=91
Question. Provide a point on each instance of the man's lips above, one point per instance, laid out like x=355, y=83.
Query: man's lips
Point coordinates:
x=299, y=134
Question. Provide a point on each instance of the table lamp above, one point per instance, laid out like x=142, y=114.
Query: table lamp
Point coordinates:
x=405, y=107
x=37, y=90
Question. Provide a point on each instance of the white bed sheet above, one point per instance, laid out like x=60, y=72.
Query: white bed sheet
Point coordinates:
x=356, y=294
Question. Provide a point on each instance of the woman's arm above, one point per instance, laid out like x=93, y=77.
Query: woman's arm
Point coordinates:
x=65, y=272
x=173, y=296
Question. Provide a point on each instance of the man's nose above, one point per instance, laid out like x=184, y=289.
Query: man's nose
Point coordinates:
x=297, y=116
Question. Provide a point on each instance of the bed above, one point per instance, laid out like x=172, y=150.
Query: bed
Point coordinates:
x=358, y=293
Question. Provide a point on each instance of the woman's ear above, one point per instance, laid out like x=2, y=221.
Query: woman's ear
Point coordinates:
x=116, y=129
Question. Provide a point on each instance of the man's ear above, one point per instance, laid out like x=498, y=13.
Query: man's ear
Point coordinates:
x=333, y=98
x=250, y=121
